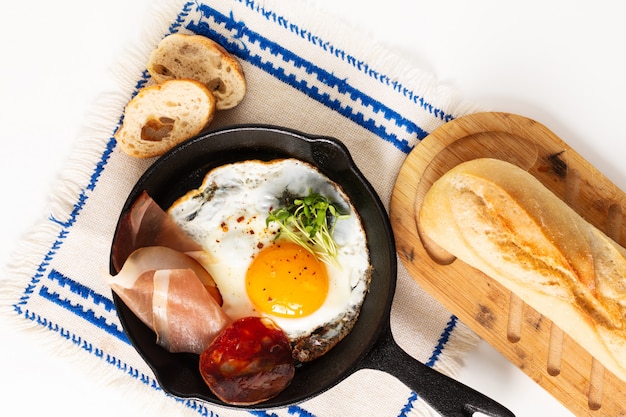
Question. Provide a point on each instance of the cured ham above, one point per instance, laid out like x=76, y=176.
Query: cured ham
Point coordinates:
x=185, y=318
x=164, y=288
x=160, y=274
x=147, y=224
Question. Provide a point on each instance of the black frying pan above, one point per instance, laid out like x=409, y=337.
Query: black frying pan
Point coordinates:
x=369, y=345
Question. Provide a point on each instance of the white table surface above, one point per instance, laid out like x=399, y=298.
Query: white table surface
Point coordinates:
x=558, y=61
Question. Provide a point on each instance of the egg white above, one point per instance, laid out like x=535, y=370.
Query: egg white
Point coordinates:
x=227, y=216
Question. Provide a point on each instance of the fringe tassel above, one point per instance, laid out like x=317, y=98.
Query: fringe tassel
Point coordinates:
x=462, y=340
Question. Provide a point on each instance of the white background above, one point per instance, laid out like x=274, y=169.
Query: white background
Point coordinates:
x=559, y=62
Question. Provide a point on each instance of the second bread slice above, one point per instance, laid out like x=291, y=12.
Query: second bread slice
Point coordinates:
x=199, y=58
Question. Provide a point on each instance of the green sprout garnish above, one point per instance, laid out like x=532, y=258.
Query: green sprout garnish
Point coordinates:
x=310, y=222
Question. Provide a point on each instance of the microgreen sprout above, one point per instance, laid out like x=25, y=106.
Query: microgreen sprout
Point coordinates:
x=310, y=222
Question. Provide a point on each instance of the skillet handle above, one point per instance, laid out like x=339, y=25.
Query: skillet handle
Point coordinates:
x=445, y=395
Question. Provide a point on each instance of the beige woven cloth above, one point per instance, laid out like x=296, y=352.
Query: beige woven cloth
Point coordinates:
x=305, y=72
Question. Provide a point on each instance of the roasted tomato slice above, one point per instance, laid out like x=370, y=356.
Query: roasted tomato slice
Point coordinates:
x=248, y=362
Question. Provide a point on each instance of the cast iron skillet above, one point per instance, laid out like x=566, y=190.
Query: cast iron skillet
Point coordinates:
x=369, y=345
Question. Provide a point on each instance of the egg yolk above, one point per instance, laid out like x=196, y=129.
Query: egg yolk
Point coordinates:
x=286, y=280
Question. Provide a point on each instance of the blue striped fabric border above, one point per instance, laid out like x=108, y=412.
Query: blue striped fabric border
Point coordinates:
x=327, y=46
x=234, y=44
x=238, y=31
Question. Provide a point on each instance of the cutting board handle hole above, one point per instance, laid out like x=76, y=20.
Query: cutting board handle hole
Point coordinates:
x=555, y=350
x=516, y=313
x=596, y=382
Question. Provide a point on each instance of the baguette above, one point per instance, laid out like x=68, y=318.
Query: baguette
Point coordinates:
x=199, y=58
x=161, y=116
x=499, y=219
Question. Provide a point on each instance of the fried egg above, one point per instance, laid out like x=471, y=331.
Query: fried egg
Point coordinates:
x=261, y=273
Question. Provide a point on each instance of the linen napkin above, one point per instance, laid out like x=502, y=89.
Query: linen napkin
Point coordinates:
x=305, y=71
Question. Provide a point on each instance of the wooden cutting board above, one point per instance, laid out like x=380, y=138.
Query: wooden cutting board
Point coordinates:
x=523, y=336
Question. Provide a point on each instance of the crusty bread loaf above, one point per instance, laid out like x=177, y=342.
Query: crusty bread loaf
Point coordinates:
x=199, y=58
x=501, y=220
x=161, y=116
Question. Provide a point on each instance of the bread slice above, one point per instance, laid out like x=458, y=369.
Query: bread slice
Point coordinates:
x=199, y=58
x=499, y=219
x=161, y=116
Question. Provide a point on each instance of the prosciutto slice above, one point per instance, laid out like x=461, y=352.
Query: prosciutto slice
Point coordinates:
x=147, y=224
x=164, y=289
